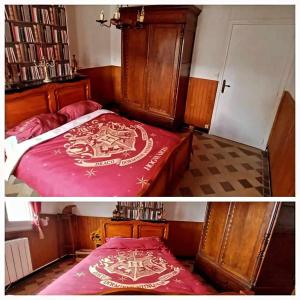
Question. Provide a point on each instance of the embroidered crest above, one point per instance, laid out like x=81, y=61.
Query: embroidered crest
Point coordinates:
x=97, y=144
x=133, y=266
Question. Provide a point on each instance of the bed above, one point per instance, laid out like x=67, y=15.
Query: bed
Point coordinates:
x=149, y=160
x=134, y=260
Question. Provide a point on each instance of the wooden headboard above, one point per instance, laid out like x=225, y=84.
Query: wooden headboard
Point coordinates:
x=133, y=229
x=43, y=99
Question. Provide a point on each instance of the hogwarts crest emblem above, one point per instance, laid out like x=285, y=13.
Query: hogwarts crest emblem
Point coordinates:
x=133, y=266
x=100, y=144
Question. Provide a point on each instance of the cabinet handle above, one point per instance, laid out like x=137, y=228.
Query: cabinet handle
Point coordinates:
x=224, y=85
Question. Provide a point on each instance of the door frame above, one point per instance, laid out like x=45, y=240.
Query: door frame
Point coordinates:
x=288, y=65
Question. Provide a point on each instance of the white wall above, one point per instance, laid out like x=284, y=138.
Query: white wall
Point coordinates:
x=89, y=42
x=100, y=46
x=185, y=211
x=53, y=207
x=175, y=211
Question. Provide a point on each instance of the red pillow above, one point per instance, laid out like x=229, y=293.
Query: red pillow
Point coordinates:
x=133, y=243
x=78, y=109
x=36, y=125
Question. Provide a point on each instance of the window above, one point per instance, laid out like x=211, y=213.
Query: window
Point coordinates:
x=19, y=215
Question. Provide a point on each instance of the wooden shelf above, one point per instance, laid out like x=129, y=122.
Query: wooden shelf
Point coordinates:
x=36, y=43
x=63, y=27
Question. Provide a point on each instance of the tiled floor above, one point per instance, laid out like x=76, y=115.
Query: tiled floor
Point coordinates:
x=221, y=167
x=33, y=284
x=218, y=168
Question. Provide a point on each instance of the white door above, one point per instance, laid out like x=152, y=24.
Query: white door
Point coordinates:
x=257, y=60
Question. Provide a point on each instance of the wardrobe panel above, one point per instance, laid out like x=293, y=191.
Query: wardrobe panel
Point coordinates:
x=214, y=229
x=134, y=61
x=243, y=240
x=163, y=62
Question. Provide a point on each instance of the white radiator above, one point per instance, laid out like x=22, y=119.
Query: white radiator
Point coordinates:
x=17, y=260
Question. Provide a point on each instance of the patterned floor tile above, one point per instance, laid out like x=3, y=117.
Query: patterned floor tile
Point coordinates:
x=227, y=169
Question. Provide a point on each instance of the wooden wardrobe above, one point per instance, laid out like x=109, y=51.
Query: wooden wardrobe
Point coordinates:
x=156, y=62
x=249, y=245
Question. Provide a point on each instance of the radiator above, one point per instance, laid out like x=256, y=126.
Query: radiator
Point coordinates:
x=17, y=260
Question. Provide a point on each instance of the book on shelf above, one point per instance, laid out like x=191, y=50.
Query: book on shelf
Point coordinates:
x=34, y=32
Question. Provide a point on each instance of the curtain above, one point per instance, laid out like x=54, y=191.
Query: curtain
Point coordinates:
x=36, y=209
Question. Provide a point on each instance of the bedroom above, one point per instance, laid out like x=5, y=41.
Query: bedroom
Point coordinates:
x=212, y=85
x=152, y=248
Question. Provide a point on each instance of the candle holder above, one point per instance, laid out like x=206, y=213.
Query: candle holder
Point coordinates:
x=115, y=20
x=45, y=66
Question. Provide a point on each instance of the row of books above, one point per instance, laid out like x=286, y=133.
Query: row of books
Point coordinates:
x=15, y=74
x=30, y=53
x=36, y=33
x=154, y=205
x=31, y=73
x=10, y=55
x=53, y=15
x=18, y=13
x=142, y=214
x=22, y=34
x=63, y=70
x=61, y=52
x=60, y=36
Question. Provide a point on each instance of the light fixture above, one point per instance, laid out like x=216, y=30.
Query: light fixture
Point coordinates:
x=115, y=20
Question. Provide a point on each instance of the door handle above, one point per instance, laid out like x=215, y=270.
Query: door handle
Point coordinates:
x=224, y=85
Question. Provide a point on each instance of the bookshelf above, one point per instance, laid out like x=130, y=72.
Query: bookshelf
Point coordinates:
x=145, y=211
x=31, y=33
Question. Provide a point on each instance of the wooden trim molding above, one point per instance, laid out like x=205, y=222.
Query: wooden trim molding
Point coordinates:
x=281, y=148
x=200, y=102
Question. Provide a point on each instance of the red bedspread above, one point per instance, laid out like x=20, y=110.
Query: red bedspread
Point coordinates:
x=129, y=266
x=107, y=156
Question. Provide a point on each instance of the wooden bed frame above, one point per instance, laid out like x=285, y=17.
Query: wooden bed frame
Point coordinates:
x=137, y=229
x=53, y=96
x=133, y=229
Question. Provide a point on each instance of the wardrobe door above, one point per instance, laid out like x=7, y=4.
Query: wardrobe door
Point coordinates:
x=165, y=41
x=244, y=239
x=213, y=231
x=134, y=57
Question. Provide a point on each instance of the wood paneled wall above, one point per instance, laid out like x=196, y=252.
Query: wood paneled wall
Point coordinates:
x=200, y=102
x=42, y=251
x=101, y=83
x=105, y=83
x=183, y=238
x=282, y=148
x=106, y=88
x=86, y=225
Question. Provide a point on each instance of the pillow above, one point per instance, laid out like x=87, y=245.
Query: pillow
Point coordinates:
x=78, y=109
x=133, y=243
x=36, y=125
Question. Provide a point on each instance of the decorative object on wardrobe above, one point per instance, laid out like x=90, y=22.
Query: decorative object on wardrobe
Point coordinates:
x=156, y=62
